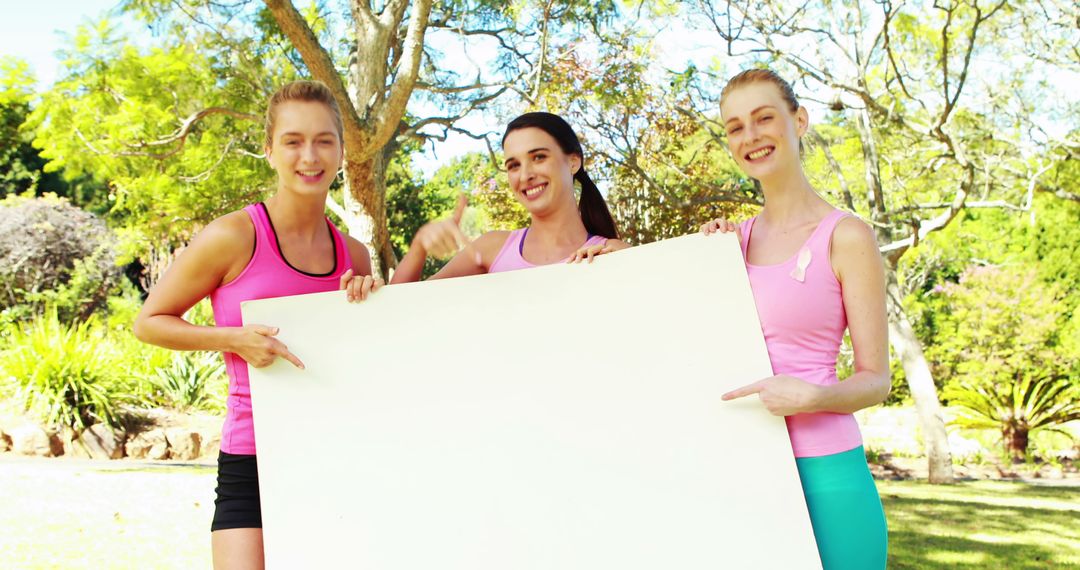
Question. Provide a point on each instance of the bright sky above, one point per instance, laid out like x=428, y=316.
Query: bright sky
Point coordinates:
x=34, y=30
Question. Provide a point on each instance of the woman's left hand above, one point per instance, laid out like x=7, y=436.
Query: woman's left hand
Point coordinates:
x=782, y=395
x=590, y=251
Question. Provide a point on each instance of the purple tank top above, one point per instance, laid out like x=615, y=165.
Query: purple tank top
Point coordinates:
x=510, y=258
x=801, y=309
x=267, y=275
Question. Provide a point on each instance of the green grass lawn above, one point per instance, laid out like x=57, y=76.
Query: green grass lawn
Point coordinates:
x=75, y=514
x=981, y=524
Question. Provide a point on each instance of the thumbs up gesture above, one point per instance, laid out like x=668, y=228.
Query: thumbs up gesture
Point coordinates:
x=443, y=238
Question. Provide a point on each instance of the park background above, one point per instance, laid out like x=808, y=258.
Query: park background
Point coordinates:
x=951, y=127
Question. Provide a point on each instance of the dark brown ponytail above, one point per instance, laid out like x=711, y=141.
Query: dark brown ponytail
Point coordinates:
x=594, y=211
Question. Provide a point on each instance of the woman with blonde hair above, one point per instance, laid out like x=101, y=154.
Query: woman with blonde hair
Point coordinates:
x=814, y=271
x=282, y=246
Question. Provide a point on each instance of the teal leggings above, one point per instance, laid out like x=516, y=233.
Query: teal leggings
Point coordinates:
x=845, y=510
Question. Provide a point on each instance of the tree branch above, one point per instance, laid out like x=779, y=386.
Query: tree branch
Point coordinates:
x=322, y=68
x=390, y=110
x=835, y=166
x=189, y=123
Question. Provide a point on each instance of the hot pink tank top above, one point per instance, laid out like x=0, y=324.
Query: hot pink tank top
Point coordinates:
x=509, y=257
x=267, y=275
x=803, y=319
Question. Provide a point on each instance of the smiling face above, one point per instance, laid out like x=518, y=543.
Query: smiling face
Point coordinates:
x=305, y=149
x=763, y=132
x=541, y=174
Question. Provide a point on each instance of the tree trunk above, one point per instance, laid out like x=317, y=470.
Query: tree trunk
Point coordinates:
x=901, y=333
x=1016, y=442
x=365, y=206
x=921, y=382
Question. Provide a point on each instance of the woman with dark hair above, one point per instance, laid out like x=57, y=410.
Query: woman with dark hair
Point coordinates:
x=543, y=158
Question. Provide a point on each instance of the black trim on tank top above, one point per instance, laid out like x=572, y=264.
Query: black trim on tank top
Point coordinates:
x=277, y=244
x=521, y=243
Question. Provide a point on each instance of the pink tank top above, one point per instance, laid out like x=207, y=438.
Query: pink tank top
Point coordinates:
x=510, y=256
x=267, y=275
x=803, y=319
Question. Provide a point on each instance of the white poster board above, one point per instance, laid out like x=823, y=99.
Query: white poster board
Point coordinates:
x=563, y=417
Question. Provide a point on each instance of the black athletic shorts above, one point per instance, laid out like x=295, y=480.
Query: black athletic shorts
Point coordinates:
x=237, y=502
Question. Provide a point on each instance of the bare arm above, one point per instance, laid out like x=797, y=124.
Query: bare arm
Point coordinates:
x=441, y=238
x=474, y=259
x=857, y=262
x=217, y=255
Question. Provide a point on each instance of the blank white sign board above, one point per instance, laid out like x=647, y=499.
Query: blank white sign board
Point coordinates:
x=563, y=417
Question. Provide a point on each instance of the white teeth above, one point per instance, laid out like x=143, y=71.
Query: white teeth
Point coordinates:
x=309, y=172
x=760, y=153
x=530, y=192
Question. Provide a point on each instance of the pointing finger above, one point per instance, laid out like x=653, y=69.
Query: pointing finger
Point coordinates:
x=747, y=390
x=284, y=353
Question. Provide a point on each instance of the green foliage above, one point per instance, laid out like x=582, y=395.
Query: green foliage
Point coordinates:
x=64, y=373
x=52, y=253
x=1000, y=323
x=20, y=165
x=174, y=128
x=998, y=340
x=1041, y=243
x=190, y=381
x=410, y=204
x=22, y=168
x=493, y=206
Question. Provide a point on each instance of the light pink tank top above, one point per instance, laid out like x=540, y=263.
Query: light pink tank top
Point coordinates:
x=802, y=315
x=267, y=275
x=510, y=256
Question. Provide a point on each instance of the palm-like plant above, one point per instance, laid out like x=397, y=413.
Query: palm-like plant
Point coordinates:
x=1017, y=409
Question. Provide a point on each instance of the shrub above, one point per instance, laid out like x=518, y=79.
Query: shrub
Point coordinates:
x=54, y=254
x=65, y=373
x=191, y=381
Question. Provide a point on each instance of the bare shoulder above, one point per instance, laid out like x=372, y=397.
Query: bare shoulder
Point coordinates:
x=216, y=255
x=854, y=249
x=853, y=235
x=231, y=232
x=489, y=243
x=223, y=248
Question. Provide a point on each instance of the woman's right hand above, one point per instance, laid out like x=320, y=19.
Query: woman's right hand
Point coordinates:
x=719, y=225
x=443, y=238
x=258, y=347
